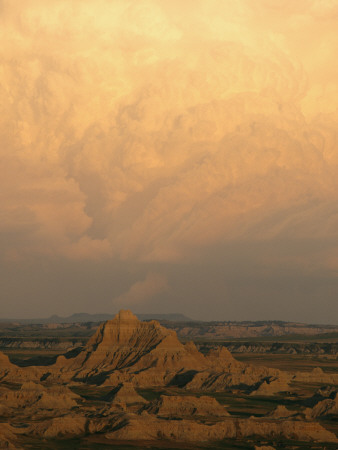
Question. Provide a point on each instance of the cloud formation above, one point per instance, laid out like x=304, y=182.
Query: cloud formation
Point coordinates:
x=142, y=130
x=142, y=291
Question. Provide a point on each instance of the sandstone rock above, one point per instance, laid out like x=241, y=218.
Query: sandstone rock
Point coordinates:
x=220, y=353
x=264, y=447
x=317, y=375
x=281, y=412
x=327, y=391
x=184, y=406
x=68, y=425
x=40, y=397
x=8, y=438
x=271, y=387
x=146, y=427
x=147, y=355
x=125, y=353
x=235, y=375
x=323, y=408
x=4, y=361
x=286, y=429
x=113, y=408
x=124, y=393
x=131, y=346
x=5, y=366
x=11, y=372
x=224, y=330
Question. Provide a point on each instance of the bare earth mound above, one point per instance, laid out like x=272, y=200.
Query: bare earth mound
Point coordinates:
x=186, y=406
x=124, y=393
x=125, y=354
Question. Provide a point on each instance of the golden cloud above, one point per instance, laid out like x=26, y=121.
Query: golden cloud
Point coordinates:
x=142, y=291
x=142, y=129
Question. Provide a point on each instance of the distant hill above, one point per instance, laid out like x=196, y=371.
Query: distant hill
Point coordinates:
x=85, y=317
x=188, y=329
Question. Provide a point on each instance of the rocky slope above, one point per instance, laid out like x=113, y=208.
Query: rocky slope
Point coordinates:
x=125, y=346
x=317, y=375
x=289, y=348
x=125, y=354
x=41, y=344
x=36, y=396
x=223, y=330
x=186, y=406
x=124, y=393
x=147, y=354
x=147, y=427
x=8, y=439
x=327, y=405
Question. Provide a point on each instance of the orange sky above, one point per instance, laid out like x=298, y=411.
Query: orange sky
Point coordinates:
x=152, y=139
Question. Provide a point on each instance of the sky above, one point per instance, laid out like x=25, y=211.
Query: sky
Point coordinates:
x=169, y=156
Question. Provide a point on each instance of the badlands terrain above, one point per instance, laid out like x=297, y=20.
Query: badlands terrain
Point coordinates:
x=129, y=384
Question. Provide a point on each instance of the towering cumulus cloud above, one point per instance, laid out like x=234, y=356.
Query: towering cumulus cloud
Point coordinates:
x=143, y=290
x=148, y=131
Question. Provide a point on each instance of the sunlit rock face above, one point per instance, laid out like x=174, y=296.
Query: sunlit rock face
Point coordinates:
x=124, y=394
x=185, y=406
x=125, y=349
x=128, y=346
x=4, y=361
x=324, y=407
x=145, y=427
x=97, y=394
x=146, y=354
x=37, y=397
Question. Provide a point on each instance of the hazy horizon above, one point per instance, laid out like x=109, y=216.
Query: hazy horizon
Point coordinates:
x=170, y=157
x=154, y=313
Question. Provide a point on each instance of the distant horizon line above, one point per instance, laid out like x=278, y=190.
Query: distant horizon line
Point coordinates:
x=97, y=317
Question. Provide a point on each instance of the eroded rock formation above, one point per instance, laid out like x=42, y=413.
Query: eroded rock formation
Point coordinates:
x=124, y=393
x=147, y=427
x=126, y=354
x=326, y=407
x=186, y=406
